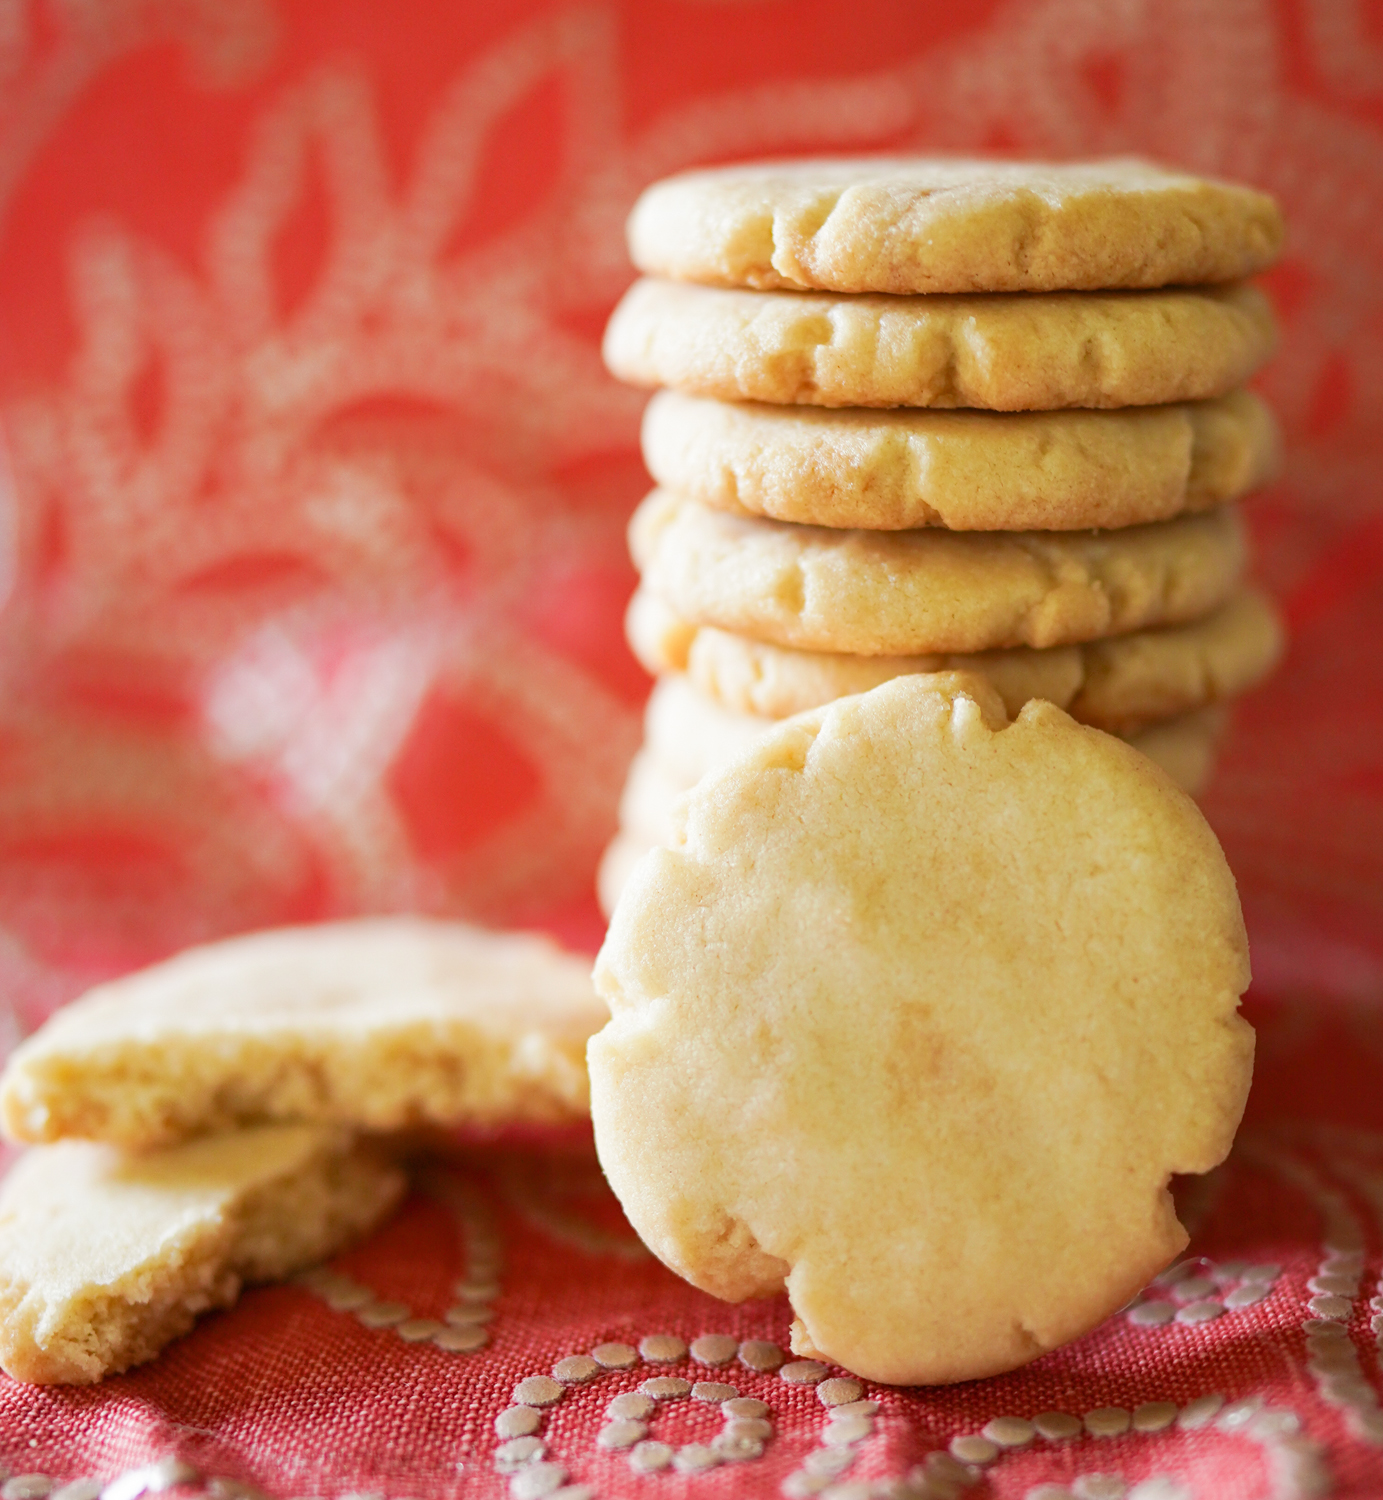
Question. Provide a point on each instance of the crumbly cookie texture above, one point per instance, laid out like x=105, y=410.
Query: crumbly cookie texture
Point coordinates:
x=1004, y=353
x=966, y=470
x=378, y=1024
x=938, y=224
x=1120, y=683
x=916, y=987
x=903, y=593
x=105, y=1257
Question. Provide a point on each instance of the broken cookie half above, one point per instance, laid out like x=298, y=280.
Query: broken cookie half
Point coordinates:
x=106, y=1256
x=210, y=1112
x=378, y=1024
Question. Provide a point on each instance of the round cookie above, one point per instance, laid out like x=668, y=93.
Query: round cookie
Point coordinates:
x=901, y=593
x=774, y=682
x=916, y=1022
x=1004, y=353
x=1118, y=683
x=944, y=224
x=965, y=470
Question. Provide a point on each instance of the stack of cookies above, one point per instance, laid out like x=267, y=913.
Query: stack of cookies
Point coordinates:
x=921, y=415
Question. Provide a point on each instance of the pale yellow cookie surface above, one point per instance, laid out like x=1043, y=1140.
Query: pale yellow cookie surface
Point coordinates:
x=756, y=677
x=1185, y=747
x=1004, y=353
x=902, y=593
x=105, y=1257
x=915, y=1022
x=1118, y=683
x=1182, y=746
x=379, y=1023
x=946, y=224
x=966, y=470
x=690, y=733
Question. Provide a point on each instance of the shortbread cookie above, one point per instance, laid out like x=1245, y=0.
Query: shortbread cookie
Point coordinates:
x=756, y=677
x=966, y=470
x=901, y=593
x=1186, y=748
x=379, y=1023
x=1118, y=683
x=916, y=1021
x=945, y=224
x=105, y=1257
x=689, y=733
x=1006, y=353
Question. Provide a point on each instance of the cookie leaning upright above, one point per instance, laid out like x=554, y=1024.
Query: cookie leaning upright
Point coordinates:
x=917, y=986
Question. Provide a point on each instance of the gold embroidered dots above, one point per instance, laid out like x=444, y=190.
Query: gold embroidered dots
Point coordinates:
x=522, y=1454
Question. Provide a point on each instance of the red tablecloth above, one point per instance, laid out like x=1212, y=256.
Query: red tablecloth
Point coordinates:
x=314, y=571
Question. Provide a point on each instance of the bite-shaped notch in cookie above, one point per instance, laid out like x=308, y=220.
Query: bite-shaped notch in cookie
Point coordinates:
x=916, y=1020
x=1185, y=747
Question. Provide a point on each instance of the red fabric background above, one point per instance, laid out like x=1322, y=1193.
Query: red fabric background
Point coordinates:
x=313, y=571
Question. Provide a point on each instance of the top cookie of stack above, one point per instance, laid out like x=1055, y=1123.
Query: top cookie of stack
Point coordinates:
x=874, y=366
x=947, y=224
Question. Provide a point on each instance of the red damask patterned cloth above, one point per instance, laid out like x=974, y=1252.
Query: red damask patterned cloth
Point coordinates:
x=313, y=567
